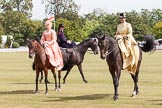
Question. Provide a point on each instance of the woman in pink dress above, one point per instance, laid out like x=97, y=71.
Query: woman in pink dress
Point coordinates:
x=48, y=40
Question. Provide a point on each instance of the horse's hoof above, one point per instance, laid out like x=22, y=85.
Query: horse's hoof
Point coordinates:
x=36, y=92
x=59, y=90
x=85, y=81
x=135, y=93
x=63, y=82
x=46, y=93
x=40, y=81
x=55, y=89
x=48, y=82
x=115, y=98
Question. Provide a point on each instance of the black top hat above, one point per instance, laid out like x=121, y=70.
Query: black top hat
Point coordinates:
x=122, y=15
x=61, y=26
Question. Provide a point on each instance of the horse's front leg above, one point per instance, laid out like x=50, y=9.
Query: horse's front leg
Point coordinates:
x=40, y=81
x=115, y=77
x=46, y=80
x=68, y=71
x=55, y=78
x=81, y=72
x=135, y=80
x=59, y=76
x=36, y=81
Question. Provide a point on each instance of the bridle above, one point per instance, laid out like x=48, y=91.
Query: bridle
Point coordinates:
x=94, y=49
x=36, y=51
x=109, y=51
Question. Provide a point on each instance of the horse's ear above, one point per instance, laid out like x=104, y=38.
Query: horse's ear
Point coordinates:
x=103, y=37
x=28, y=41
x=97, y=36
x=37, y=38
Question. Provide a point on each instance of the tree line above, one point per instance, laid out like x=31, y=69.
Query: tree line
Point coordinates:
x=15, y=20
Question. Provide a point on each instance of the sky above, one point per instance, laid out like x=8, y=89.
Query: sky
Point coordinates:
x=109, y=6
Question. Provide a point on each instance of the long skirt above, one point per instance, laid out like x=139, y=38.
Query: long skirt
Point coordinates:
x=54, y=55
x=130, y=54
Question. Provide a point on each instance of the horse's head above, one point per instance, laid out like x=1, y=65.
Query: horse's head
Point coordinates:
x=102, y=45
x=32, y=47
x=94, y=45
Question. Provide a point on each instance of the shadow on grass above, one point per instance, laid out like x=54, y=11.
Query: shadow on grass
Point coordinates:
x=83, y=97
x=159, y=102
x=23, y=83
x=33, y=83
x=18, y=92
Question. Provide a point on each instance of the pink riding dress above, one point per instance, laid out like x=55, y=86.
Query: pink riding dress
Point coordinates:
x=52, y=49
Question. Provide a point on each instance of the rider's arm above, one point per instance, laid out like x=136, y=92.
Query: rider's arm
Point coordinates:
x=54, y=37
x=43, y=39
x=62, y=37
x=129, y=27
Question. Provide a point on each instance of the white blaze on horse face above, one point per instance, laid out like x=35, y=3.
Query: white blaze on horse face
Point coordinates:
x=95, y=39
x=102, y=49
x=103, y=55
x=31, y=50
x=94, y=45
x=31, y=53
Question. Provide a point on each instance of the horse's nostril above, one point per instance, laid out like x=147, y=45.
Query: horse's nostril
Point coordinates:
x=96, y=53
x=102, y=57
x=30, y=56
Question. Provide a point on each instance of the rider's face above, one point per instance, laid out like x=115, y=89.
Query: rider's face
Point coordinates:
x=122, y=20
x=62, y=28
x=48, y=26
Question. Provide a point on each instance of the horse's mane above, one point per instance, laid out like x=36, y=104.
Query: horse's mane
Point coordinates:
x=86, y=40
x=111, y=39
x=38, y=40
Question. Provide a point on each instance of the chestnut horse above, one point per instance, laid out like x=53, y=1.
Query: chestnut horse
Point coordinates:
x=41, y=63
x=109, y=49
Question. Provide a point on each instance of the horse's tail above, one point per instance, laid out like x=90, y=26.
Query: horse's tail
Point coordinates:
x=148, y=43
x=33, y=66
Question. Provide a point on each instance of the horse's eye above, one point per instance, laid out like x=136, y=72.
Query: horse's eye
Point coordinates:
x=32, y=46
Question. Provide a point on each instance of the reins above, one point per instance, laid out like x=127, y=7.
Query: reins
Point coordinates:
x=111, y=50
x=38, y=51
x=108, y=52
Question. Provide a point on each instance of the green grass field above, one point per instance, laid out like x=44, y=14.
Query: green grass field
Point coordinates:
x=17, y=85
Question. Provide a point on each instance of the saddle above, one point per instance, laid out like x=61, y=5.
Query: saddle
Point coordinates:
x=67, y=50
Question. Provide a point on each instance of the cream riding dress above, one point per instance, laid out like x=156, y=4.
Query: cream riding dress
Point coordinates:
x=128, y=47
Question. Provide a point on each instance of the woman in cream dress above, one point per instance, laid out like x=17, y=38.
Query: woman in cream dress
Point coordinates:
x=127, y=44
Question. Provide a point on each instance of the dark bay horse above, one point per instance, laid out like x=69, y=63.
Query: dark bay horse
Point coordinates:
x=109, y=49
x=41, y=63
x=75, y=56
